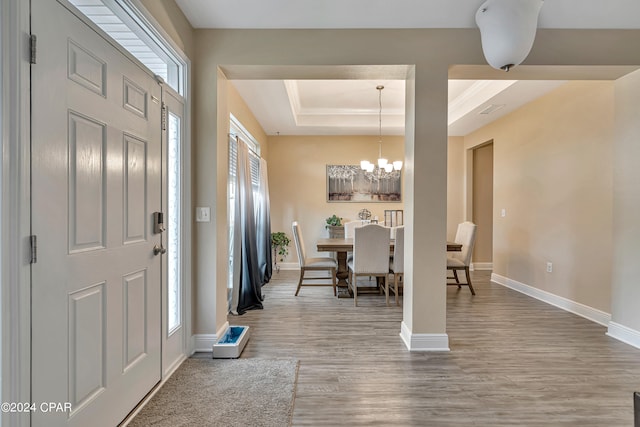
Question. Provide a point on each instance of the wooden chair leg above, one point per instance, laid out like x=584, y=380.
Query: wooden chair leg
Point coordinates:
x=300, y=281
x=354, y=285
x=386, y=289
x=455, y=276
x=466, y=271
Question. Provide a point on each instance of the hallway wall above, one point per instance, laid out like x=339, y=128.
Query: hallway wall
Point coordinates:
x=553, y=175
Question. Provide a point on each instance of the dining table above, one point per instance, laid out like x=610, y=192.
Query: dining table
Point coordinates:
x=342, y=246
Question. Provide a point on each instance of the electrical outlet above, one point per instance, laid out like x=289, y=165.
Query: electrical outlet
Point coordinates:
x=549, y=267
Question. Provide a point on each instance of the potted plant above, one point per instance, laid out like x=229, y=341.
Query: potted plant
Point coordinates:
x=334, y=225
x=280, y=244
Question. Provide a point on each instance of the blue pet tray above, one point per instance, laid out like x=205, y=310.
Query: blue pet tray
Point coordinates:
x=231, y=343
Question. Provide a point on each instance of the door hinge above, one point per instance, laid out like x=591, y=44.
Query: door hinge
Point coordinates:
x=32, y=48
x=164, y=116
x=33, y=240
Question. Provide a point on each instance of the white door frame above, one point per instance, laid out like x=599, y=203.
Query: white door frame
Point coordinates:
x=15, y=206
x=181, y=338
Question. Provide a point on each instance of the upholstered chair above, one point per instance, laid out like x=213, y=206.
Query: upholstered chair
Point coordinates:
x=312, y=264
x=370, y=256
x=349, y=228
x=466, y=236
x=396, y=265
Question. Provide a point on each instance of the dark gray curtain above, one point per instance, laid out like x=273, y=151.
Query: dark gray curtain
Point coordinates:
x=248, y=277
x=263, y=225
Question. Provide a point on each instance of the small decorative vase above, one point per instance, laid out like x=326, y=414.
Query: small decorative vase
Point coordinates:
x=336, y=231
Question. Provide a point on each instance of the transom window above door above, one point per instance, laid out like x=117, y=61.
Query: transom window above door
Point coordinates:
x=127, y=27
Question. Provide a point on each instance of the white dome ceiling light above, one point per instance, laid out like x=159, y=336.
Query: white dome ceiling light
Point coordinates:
x=507, y=30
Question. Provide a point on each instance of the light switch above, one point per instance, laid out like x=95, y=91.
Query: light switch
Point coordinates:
x=203, y=214
x=503, y=212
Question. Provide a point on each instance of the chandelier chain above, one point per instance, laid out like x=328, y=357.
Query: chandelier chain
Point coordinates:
x=383, y=164
x=380, y=120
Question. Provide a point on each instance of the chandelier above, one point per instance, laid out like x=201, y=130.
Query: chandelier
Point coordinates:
x=383, y=163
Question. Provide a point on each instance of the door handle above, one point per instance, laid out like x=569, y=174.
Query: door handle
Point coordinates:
x=157, y=250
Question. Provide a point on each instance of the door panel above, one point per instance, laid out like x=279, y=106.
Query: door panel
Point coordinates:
x=87, y=341
x=96, y=180
x=87, y=182
x=135, y=320
x=135, y=186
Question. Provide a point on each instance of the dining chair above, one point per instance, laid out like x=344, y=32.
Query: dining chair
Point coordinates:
x=370, y=256
x=466, y=236
x=396, y=265
x=349, y=228
x=312, y=264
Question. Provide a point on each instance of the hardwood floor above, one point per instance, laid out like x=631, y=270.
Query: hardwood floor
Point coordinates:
x=513, y=361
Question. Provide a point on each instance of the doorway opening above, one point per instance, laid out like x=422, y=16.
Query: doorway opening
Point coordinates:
x=482, y=205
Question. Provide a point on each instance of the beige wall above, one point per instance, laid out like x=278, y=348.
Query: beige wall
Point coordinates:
x=297, y=181
x=174, y=23
x=553, y=175
x=455, y=185
x=241, y=111
x=626, y=205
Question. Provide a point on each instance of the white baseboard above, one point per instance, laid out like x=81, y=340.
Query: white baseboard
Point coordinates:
x=582, y=310
x=481, y=266
x=624, y=334
x=204, y=342
x=423, y=342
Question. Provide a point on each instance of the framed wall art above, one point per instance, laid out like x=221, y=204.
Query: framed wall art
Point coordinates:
x=349, y=183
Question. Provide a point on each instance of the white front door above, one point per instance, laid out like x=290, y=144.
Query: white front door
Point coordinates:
x=96, y=181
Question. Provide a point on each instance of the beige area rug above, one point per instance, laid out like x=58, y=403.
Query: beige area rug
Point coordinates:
x=223, y=392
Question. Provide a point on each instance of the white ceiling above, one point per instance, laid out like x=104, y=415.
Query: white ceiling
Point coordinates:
x=341, y=107
x=350, y=107
x=396, y=13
